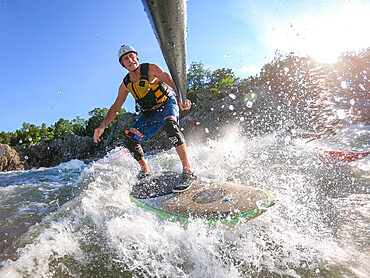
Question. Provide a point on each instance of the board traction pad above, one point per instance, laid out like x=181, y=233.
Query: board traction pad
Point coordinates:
x=212, y=200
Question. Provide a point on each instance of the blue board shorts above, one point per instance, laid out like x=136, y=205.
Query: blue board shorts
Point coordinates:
x=150, y=122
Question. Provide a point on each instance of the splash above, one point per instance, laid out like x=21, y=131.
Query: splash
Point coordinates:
x=306, y=234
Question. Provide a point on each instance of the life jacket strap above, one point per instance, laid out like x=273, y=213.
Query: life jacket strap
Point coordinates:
x=144, y=75
x=163, y=88
x=144, y=69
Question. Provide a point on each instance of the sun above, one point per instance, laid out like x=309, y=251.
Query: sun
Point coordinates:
x=331, y=35
x=323, y=35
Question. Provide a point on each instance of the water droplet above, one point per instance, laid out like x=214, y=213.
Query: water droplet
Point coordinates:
x=343, y=84
x=249, y=104
x=231, y=107
x=263, y=156
x=206, y=130
x=287, y=139
x=231, y=95
x=341, y=114
x=25, y=157
x=260, y=204
x=286, y=69
x=289, y=124
x=20, y=141
x=30, y=139
x=59, y=92
x=198, y=123
x=352, y=102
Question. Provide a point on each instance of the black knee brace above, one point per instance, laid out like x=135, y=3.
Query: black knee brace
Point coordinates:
x=134, y=147
x=173, y=132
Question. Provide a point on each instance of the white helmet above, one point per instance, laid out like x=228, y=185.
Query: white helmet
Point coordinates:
x=124, y=50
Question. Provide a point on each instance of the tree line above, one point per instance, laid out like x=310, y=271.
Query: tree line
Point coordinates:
x=318, y=94
x=297, y=85
x=30, y=133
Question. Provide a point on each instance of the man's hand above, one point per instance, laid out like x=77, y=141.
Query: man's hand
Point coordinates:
x=98, y=132
x=187, y=105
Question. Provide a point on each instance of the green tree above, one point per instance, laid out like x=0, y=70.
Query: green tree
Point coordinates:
x=198, y=77
x=79, y=126
x=46, y=133
x=62, y=128
x=26, y=134
x=32, y=133
x=15, y=138
x=5, y=137
x=221, y=81
x=249, y=84
x=97, y=116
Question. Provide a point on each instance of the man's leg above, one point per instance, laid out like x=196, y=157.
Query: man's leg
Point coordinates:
x=134, y=147
x=177, y=139
x=183, y=154
x=144, y=166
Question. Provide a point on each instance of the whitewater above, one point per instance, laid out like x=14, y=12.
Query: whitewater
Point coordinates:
x=77, y=220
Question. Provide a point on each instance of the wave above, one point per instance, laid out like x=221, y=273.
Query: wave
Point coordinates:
x=99, y=232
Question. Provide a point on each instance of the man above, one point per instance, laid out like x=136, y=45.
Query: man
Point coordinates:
x=148, y=84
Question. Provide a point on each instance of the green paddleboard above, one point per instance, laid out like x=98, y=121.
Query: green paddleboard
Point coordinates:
x=211, y=200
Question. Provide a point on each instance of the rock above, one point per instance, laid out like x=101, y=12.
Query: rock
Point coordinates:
x=202, y=121
x=123, y=123
x=58, y=151
x=10, y=159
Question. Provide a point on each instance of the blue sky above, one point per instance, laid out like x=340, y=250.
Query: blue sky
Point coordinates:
x=58, y=58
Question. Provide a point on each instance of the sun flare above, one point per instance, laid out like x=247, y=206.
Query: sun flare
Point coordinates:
x=334, y=34
x=322, y=35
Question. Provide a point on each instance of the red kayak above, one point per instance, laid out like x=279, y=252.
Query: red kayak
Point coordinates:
x=326, y=153
x=343, y=155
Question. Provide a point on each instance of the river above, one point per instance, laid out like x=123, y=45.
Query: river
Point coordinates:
x=77, y=220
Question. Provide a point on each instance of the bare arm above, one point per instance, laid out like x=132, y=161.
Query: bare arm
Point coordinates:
x=112, y=112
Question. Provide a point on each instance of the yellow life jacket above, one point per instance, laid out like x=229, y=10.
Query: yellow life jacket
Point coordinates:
x=147, y=95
